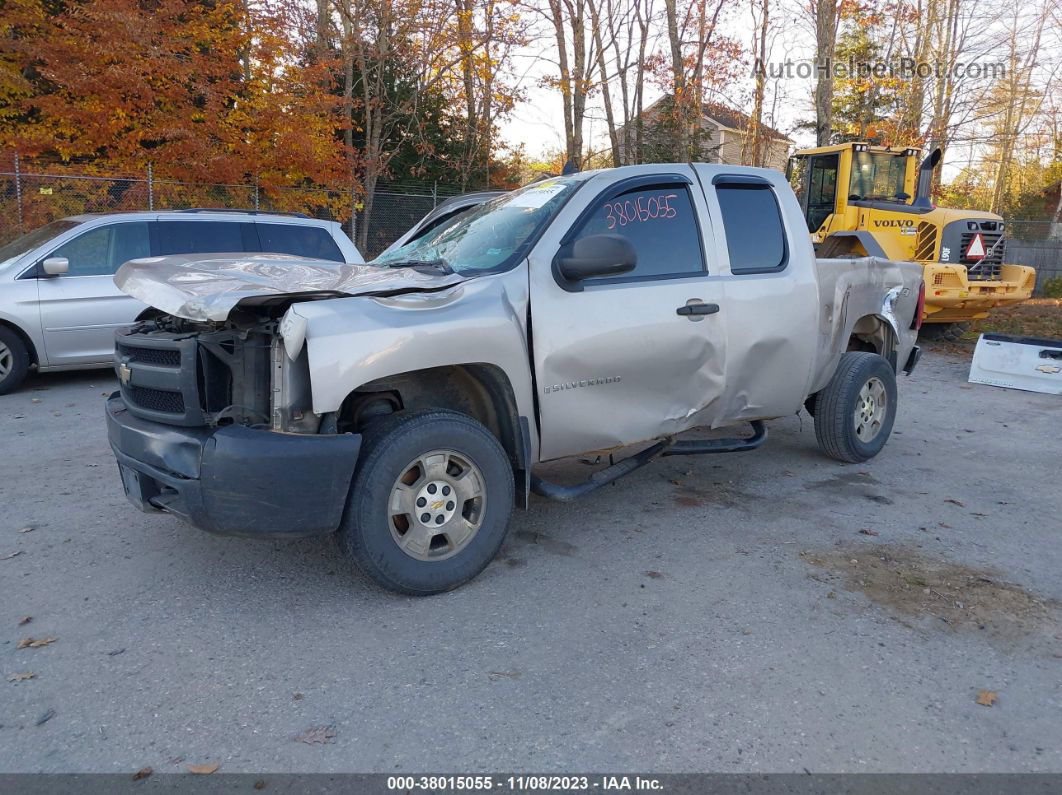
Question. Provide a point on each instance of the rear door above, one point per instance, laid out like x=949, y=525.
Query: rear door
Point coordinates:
x=81, y=309
x=616, y=362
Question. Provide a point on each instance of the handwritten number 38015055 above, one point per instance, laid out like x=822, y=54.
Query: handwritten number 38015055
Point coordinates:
x=644, y=208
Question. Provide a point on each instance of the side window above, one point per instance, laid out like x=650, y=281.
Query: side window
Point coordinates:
x=100, y=251
x=302, y=241
x=660, y=223
x=755, y=236
x=205, y=237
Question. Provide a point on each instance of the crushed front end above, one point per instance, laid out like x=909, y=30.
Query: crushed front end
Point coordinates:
x=213, y=423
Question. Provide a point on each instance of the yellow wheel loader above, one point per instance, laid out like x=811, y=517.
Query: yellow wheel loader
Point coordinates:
x=860, y=199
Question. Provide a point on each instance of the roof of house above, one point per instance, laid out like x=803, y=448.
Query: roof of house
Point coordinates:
x=725, y=117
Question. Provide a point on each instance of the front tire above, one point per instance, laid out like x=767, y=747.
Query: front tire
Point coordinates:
x=430, y=503
x=14, y=360
x=855, y=412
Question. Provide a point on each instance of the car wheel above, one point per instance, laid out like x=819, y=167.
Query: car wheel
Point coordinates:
x=855, y=412
x=430, y=503
x=14, y=360
x=943, y=332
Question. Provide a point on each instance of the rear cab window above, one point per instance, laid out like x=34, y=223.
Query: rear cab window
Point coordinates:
x=752, y=223
x=659, y=220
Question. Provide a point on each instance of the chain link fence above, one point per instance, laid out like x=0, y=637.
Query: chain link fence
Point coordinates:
x=33, y=194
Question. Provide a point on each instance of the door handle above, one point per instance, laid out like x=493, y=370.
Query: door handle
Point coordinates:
x=698, y=309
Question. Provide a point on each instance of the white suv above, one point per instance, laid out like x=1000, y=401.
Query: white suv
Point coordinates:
x=59, y=305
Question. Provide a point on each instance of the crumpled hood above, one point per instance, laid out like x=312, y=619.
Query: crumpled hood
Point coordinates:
x=209, y=286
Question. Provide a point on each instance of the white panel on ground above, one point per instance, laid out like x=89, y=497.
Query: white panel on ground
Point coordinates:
x=1028, y=363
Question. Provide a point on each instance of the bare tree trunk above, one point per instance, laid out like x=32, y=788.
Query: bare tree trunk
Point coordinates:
x=606, y=97
x=678, y=81
x=752, y=146
x=826, y=12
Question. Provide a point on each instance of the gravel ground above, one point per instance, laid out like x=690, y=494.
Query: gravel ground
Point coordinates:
x=772, y=611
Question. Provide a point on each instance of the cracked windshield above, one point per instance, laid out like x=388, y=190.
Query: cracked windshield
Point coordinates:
x=489, y=237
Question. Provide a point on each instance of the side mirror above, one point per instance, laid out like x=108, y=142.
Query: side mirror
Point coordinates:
x=596, y=255
x=56, y=266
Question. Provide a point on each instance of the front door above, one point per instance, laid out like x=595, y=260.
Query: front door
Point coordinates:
x=81, y=309
x=616, y=362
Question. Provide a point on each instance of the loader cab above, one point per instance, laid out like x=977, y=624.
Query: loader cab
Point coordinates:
x=830, y=179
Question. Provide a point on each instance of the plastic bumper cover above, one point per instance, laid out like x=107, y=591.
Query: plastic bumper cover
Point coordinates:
x=234, y=480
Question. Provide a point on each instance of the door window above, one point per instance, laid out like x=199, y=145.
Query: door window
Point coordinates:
x=205, y=237
x=823, y=190
x=661, y=224
x=100, y=251
x=302, y=241
x=755, y=236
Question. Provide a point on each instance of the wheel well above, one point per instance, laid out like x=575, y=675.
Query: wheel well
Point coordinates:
x=481, y=391
x=34, y=359
x=873, y=334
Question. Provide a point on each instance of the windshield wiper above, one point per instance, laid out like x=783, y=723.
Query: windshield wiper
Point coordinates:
x=422, y=265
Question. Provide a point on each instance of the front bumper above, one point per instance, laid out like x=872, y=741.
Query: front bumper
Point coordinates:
x=234, y=480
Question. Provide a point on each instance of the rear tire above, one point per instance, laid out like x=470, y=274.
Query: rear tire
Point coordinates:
x=943, y=332
x=14, y=360
x=855, y=412
x=430, y=503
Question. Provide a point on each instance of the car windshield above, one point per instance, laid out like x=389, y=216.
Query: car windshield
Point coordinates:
x=487, y=238
x=30, y=240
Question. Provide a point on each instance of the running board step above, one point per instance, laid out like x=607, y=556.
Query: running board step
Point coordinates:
x=704, y=446
x=556, y=491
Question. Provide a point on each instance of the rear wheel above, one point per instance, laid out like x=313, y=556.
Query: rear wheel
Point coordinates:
x=14, y=360
x=943, y=332
x=855, y=412
x=430, y=503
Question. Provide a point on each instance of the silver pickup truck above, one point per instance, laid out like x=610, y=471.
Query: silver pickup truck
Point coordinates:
x=403, y=405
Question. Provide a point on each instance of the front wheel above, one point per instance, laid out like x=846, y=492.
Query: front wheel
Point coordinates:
x=855, y=412
x=14, y=360
x=430, y=503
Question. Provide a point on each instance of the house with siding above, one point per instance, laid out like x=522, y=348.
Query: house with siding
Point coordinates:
x=723, y=133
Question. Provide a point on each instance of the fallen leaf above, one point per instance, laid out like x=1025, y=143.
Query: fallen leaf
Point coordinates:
x=868, y=532
x=24, y=620
x=316, y=734
x=26, y=530
x=115, y=652
x=143, y=772
x=955, y=502
x=297, y=697
x=494, y=676
x=203, y=770
x=21, y=677
x=654, y=575
x=986, y=698
x=10, y=555
x=36, y=643
x=260, y=784
x=47, y=716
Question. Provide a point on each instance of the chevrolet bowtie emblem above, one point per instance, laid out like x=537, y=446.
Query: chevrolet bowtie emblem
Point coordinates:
x=437, y=505
x=1049, y=368
x=124, y=373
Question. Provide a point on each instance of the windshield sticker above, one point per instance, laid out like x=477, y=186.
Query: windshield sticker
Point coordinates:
x=644, y=208
x=537, y=195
